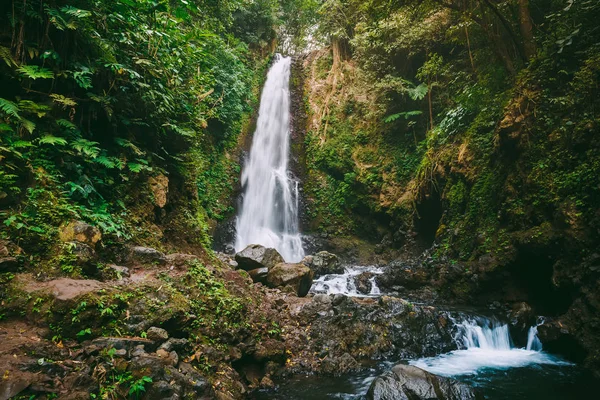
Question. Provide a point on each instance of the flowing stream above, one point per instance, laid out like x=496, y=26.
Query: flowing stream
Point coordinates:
x=346, y=283
x=269, y=210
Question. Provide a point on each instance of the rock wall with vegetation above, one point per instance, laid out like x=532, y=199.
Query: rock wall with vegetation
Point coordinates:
x=470, y=127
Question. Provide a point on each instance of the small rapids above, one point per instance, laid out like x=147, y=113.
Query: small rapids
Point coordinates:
x=484, y=345
x=346, y=283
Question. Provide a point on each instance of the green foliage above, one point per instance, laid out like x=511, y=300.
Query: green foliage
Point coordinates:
x=115, y=92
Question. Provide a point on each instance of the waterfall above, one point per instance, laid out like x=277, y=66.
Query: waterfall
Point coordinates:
x=486, y=344
x=490, y=336
x=269, y=210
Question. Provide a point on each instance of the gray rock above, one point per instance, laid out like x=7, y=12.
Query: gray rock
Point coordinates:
x=256, y=256
x=406, y=382
x=298, y=277
x=174, y=344
x=259, y=274
x=120, y=343
x=157, y=334
x=146, y=255
x=323, y=263
x=363, y=282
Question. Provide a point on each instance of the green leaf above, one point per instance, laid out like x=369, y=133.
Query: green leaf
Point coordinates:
x=406, y=115
x=53, y=140
x=86, y=147
x=66, y=124
x=34, y=72
x=419, y=92
x=63, y=101
x=135, y=167
x=9, y=108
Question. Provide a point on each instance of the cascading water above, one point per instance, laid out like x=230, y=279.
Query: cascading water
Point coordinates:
x=269, y=211
x=486, y=345
x=345, y=283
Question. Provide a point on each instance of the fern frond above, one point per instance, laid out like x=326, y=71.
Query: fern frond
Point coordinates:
x=35, y=108
x=66, y=124
x=127, y=144
x=419, y=92
x=406, y=115
x=6, y=55
x=9, y=108
x=6, y=128
x=76, y=12
x=52, y=140
x=63, y=101
x=34, y=72
x=27, y=124
x=86, y=147
x=107, y=162
x=135, y=167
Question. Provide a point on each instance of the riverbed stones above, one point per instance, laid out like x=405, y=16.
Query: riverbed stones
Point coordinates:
x=256, y=256
x=157, y=334
x=406, y=382
x=296, y=277
x=363, y=282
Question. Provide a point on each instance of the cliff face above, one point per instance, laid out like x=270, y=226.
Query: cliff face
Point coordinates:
x=498, y=176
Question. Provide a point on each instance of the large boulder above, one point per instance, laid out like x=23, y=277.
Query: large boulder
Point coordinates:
x=297, y=277
x=323, y=263
x=78, y=231
x=159, y=185
x=256, y=256
x=406, y=382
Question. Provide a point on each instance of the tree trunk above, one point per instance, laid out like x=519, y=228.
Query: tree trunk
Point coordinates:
x=526, y=27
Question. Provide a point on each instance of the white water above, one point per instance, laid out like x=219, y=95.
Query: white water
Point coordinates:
x=269, y=211
x=345, y=284
x=487, y=346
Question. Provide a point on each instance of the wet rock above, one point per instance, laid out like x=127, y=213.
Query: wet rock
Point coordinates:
x=159, y=185
x=256, y=256
x=339, y=365
x=146, y=255
x=78, y=231
x=363, y=282
x=323, y=263
x=400, y=274
x=298, y=277
x=406, y=382
x=259, y=274
x=157, y=334
x=522, y=316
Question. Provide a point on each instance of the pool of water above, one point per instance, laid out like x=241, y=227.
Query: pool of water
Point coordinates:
x=535, y=381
